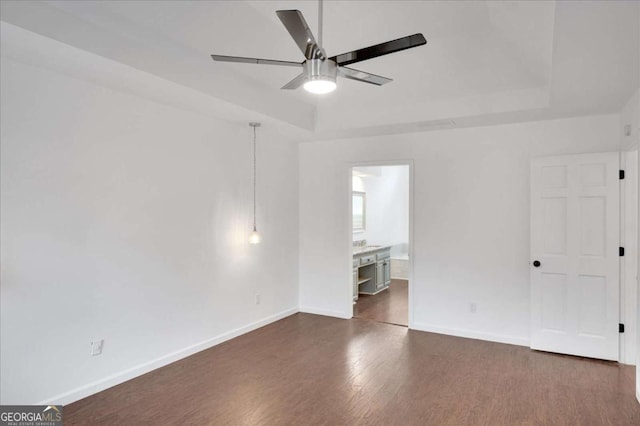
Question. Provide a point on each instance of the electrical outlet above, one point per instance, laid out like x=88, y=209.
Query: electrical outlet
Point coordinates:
x=473, y=307
x=257, y=299
x=96, y=347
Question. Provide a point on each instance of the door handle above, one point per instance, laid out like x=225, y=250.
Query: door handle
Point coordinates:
x=536, y=263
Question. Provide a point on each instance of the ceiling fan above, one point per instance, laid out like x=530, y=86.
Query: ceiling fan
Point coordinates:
x=319, y=72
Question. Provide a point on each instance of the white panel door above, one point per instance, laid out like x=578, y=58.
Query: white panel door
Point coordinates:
x=574, y=254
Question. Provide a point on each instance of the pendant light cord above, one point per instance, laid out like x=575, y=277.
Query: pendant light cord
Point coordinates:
x=254, y=178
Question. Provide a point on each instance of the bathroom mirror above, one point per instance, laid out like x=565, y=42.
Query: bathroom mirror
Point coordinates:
x=359, y=208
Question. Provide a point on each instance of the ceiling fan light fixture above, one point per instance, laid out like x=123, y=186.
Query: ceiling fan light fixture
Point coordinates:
x=320, y=86
x=321, y=76
x=319, y=71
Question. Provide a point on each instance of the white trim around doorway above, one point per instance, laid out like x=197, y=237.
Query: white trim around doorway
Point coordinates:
x=348, y=189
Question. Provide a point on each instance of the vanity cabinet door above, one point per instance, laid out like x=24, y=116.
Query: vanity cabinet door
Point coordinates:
x=380, y=275
x=387, y=272
x=355, y=284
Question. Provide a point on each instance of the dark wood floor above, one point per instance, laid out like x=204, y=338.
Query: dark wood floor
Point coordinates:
x=314, y=370
x=390, y=306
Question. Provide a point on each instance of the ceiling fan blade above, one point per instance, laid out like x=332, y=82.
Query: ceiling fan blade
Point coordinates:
x=380, y=49
x=296, y=25
x=242, y=60
x=296, y=82
x=365, y=77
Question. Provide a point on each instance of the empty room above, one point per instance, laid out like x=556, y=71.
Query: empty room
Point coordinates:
x=319, y=212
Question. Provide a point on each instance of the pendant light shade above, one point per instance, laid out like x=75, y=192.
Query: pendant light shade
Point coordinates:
x=254, y=238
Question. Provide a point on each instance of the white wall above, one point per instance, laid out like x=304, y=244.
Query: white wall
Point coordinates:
x=387, y=207
x=471, y=219
x=127, y=219
x=630, y=115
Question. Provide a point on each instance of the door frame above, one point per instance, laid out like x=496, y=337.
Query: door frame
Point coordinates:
x=629, y=290
x=348, y=190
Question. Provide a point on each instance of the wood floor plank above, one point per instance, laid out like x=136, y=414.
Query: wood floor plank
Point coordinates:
x=390, y=306
x=314, y=370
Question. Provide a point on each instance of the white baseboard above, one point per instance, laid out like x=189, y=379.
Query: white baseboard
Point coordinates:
x=325, y=312
x=472, y=334
x=138, y=370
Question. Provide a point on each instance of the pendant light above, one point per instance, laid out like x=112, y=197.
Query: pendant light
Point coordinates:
x=254, y=238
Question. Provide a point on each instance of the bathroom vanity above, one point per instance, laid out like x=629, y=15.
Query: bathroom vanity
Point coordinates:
x=371, y=270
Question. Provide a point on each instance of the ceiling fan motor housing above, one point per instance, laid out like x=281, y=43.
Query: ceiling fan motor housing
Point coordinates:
x=317, y=69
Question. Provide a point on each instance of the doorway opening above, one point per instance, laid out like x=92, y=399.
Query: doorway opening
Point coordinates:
x=380, y=235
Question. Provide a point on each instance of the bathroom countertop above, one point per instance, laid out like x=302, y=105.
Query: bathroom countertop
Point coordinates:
x=368, y=249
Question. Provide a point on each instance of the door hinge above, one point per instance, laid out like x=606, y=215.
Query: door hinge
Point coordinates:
x=621, y=251
x=620, y=328
x=621, y=174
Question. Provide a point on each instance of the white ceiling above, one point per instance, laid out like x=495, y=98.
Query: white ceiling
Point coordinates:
x=485, y=61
